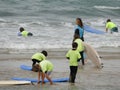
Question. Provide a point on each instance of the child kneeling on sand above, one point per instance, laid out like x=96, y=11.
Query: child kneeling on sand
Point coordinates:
x=74, y=57
x=45, y=68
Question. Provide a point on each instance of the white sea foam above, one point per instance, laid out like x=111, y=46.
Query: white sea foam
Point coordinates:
x=67, y=24
x=53, y=34
x=106, y=7
x=2, y=20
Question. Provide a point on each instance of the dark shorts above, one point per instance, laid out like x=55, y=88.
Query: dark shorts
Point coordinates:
x=115, y=29
x=30, y=34
x=35, y=61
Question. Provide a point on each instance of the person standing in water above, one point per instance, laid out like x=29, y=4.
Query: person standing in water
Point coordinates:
x=74, y=57
x=80, y=47
x=79, y=28
x=111, y=26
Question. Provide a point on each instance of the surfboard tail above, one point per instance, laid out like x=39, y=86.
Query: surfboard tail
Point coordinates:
x=92, y=30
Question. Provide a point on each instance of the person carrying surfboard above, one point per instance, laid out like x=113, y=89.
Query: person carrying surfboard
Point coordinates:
x=38, y=57
x=79, y=28
x=80, y=47
x=45, y=68
x=24, y=33
x=74, y=57
x=111, y=26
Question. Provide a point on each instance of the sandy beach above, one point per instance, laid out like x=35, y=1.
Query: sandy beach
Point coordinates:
x=53, y=23
x=88, y=77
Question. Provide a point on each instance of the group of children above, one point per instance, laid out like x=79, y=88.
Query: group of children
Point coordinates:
x=44, y=67
x=77, y=52
x=109, y=26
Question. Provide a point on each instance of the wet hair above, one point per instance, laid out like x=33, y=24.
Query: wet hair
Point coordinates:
x=45, y=53
x=74, y=45
x=80, y=23
x=21, y=29
x=108, y=20
x=30, y=34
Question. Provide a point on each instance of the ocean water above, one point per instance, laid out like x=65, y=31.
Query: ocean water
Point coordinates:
x=52, y=22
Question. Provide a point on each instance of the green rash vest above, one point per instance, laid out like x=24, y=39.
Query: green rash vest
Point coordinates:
x=80, y=45
x=24, y=33
x=110, y=25
x=46, y=66
x=73, y=55
x=39, y=56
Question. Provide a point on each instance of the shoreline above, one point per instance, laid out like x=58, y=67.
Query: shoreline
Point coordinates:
x=59, y=53
x=88, y=77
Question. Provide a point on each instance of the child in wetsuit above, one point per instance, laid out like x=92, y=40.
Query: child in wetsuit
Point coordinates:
x=112, y=26
x=74, y=57
x=24, y=33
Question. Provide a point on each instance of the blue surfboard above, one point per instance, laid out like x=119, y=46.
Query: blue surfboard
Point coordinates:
x=92, y=30
x=19, y=34
x=36, y=80
x=29, y=68
x=25, y=67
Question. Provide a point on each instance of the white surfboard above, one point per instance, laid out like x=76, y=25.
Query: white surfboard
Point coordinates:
x=14, y=82
x=92, y=55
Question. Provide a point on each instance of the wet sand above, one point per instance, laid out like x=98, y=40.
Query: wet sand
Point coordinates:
x=88, y=77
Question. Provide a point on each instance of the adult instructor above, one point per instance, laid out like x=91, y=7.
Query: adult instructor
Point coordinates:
x=79, y=28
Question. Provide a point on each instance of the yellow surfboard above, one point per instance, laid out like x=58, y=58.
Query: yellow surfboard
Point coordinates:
x=14, y=82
